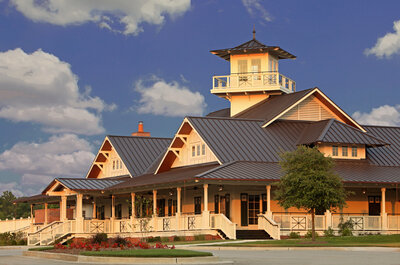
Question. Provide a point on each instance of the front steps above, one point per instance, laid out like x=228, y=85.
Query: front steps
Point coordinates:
x=252, y=234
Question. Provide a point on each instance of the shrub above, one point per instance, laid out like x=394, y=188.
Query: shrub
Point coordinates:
x=154, y=239
x=329, y=232
x=199, y=237
x=165, y=239
x=309, y=234
x=99, y=237
x=177, y=238
x=346, y=228
x=120, y=241
x=294, y=235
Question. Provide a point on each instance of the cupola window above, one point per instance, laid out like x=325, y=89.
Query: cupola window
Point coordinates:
x=335, y=151
x=344, y=151
x=354, y=151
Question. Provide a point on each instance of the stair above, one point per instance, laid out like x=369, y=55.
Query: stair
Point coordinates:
x=222, y=234
x=252, y=234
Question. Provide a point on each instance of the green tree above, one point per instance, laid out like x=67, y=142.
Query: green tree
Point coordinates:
x=9, y=210
x=309, y=182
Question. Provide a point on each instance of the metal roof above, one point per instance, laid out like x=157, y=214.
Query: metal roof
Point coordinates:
x=38, y=198
x=334, y=131
x=348, y=171
x=253, y=46
x=173, y=175
x=385, y=155
x=272, y=106
x=220, y=113
x=139, y=153
x=88, y=184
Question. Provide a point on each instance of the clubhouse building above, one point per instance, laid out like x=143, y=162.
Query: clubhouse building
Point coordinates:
x=216, y=175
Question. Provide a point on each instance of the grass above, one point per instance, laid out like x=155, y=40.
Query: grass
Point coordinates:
x=195, y=242
x=345, y=241
x=147, y=253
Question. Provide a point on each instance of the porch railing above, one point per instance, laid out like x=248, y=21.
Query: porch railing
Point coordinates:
x=270, y=226
x=360, y=222
x=298, y=221
x=272, y=80
x=220, y=221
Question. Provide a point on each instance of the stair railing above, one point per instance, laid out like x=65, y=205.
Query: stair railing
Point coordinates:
x=269, y=225
x=220, y=221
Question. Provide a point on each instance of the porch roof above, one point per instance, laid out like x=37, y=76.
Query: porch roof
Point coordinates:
x=173, y=175
x=350, y=172
x=84, y=184
x=37, y=198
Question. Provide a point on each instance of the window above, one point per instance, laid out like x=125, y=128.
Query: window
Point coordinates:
x=354, y=151
x=198, y=150
x=344, y=151
x=335, y=151
x=242, y=66
x=193, y=150
x=113, y=165
x=197, y=205
x=216, y=204
x=255, y=65
x=117, y=164
x=120, y=164
x=203, y=149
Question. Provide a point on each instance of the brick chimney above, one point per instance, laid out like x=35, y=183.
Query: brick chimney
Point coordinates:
x=140, y=131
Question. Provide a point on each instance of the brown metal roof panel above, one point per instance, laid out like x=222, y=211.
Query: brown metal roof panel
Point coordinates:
x=88, y=184
x=388, y=155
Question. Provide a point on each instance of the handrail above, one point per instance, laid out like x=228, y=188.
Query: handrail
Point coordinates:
x=226, y=225
x=45, y=227
x=269, y=225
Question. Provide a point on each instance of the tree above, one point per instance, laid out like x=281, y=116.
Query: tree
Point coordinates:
x=309, y=182
x=9, y=210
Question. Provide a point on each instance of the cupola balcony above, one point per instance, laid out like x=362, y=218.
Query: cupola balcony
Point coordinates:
x=252, y=82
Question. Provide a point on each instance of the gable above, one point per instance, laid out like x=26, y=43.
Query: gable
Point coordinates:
x=186, y=149
x=310, y=109
x=107, y=163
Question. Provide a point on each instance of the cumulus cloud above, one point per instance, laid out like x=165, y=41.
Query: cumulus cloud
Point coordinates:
x=64, y=155
x=40, y=88
x=122, y=16
x=384, y=115
x=256, y=9
x=168, y=99
x=387, y=45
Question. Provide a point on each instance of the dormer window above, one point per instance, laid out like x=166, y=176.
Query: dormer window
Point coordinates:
x=344, y=151
x=193, y=151
x=114, y=165
x=354, y=151
x=335, y=150
x=203, y=149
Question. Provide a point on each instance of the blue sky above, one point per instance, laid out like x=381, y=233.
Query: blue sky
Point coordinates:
x=74, y=71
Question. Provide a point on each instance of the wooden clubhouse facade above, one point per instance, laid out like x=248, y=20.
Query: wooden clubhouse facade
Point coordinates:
x=215, y=176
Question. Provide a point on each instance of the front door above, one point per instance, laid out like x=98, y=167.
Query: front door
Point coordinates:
x=374, y=205
x=254, y=209
x=197, y=205
x=243, y=209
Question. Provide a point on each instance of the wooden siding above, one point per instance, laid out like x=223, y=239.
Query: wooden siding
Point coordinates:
x=186, y=158
x=108, y=170
x=310, y=109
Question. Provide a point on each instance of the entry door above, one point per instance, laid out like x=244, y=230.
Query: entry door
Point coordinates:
x=254, y=209
x=161, y=207
x=244, y=209
x=374, y=205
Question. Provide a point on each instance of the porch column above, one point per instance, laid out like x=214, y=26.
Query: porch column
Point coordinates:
x=79, y=215
x=383, y=209
x=32, y=222
x=112, y=218
x=206, y=213
x=178, y=205
x=155, y=210
x=63, y=208
x=45, y=213
x=94, y=215
x=269, y=212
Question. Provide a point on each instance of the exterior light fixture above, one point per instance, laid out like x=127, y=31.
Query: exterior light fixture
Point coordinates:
x=220, y=188
x=171, y=193
x=363, y=191
x=102, y=192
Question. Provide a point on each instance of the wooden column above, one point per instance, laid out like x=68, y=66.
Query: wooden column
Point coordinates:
x=133, y=213
x=112, y=206
x=383, y=210
x=79, y=213
x=154, y=202
x=94, y=214
x=45, y=214
x=63, y=208
x=178, y=203
x=205, y=188
x=269, y=212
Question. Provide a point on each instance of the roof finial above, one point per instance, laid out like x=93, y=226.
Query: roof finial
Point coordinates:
x=254, y=32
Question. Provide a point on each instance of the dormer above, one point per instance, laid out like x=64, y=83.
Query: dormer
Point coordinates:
x=254, y=74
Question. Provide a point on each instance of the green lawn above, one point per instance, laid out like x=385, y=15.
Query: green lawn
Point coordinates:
x=147, y=253
x=41, y=248
x=195, y=242
x=348, y=241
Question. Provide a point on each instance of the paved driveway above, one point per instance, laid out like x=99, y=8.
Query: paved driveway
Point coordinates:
x=245, y=257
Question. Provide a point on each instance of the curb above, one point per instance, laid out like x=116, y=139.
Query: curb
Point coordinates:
x=378, y=249
x=124, y=260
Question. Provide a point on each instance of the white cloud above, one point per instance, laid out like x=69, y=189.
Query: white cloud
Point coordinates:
x=384, y=115
x=61, y=156
x=168, y=99
x=128, y=15
x=387, y=45
x=40, y=88
x=13, y=187
x=255, y=9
